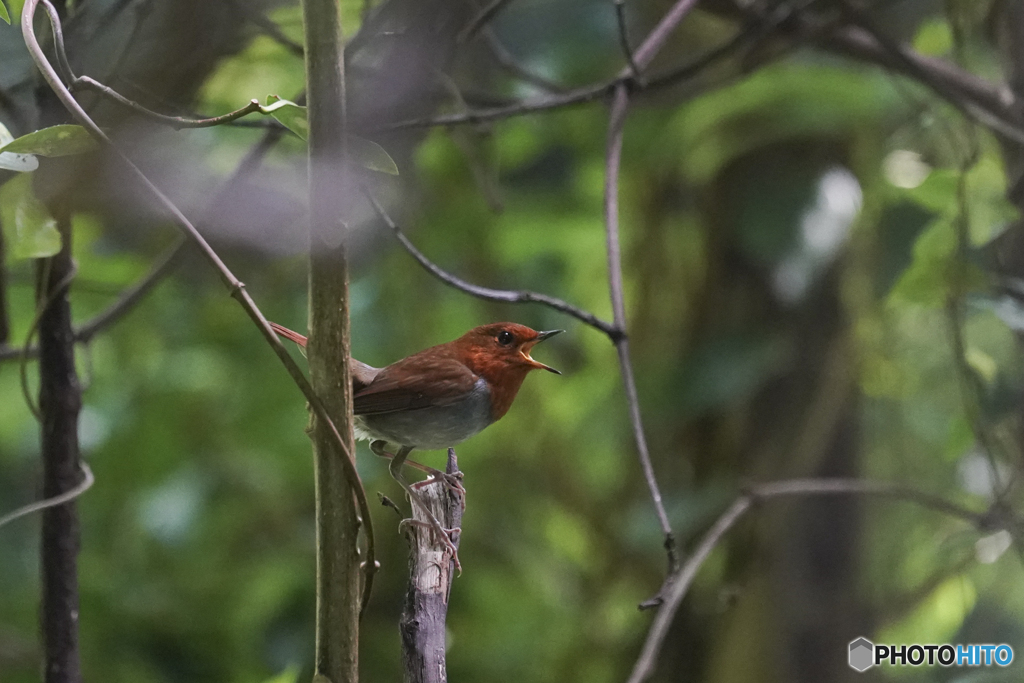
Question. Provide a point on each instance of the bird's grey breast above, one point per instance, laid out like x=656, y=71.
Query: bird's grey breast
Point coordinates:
x=432, y=427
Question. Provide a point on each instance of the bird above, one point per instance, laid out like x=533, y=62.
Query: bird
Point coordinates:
x=439, y=397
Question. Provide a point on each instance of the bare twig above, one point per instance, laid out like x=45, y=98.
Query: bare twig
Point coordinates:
x=176, y=122
x=617, y=121
x=507, y=296
x=234, y=285
x=678, y=584
x=87, y=481
x=611, y=216
x=431, y=570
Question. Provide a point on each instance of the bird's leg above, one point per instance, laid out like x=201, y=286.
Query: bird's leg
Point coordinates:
x=396, y=471
x=452, y=481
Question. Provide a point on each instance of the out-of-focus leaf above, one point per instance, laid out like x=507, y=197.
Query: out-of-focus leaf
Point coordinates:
x=35, y=232
x=938, y=192
x=371, y=155
x=926, y=281
x=23, y=163
x=934, y=38
x=936, y=618
x=289, y=675
x=55, y=141
x=4, y=14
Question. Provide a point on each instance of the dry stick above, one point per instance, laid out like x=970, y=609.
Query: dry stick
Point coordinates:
x=683, y=579
x=488, y=294
x=431, y=569
x=234, y=285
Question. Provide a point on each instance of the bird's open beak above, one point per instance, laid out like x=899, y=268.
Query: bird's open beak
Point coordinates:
x=541, y=336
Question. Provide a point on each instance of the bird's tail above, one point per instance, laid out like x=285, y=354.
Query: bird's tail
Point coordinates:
x=289, y=334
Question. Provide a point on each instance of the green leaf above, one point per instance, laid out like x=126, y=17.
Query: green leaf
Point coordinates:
x=371, y=155
x=4, y=14
x=55, y=141
x=366, y=152
x=34, y=233
x=10, y=161
x=290, y=115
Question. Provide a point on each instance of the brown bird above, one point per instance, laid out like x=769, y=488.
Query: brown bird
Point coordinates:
x=441, y=396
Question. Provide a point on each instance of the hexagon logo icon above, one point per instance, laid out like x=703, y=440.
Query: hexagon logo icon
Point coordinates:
x=862, y=654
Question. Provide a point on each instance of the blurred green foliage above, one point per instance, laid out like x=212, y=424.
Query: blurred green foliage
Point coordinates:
x=792, y=246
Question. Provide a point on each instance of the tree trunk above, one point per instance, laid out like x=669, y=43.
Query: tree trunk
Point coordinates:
x=337, y=522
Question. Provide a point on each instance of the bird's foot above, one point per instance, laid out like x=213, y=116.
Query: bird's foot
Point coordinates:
x=452, y=481
x=444, y=536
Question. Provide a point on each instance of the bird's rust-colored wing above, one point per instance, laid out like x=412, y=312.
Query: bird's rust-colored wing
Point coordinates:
x=419, y=381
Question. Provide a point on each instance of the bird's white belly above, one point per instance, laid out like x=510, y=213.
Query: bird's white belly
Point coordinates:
x=431, y=428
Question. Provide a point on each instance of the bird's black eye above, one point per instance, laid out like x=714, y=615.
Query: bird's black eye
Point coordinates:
x=505, y=338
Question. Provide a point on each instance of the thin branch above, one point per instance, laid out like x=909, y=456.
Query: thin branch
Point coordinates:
x=611, y=216
x=679, y=583
x=616, y=125
x=488, y=294
x=485, y=16
x=87, y=481
x=234, y=285
x=175, y=122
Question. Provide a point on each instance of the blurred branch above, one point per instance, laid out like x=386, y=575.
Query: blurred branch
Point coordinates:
x=509, y=62
x=5, y=320
x=627, y=50
x=483, y=18
x=115, y=311
x=234, y=285
x=992, y=104
x=910, y=64
x=268, y=27
x=164, y=265
x=431, y=570
x=677, y=585
x=507, y=296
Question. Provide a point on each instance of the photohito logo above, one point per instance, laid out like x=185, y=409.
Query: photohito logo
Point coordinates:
x=864, y=654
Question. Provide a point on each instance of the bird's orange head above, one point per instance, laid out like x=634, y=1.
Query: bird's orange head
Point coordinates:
x=500, y=353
